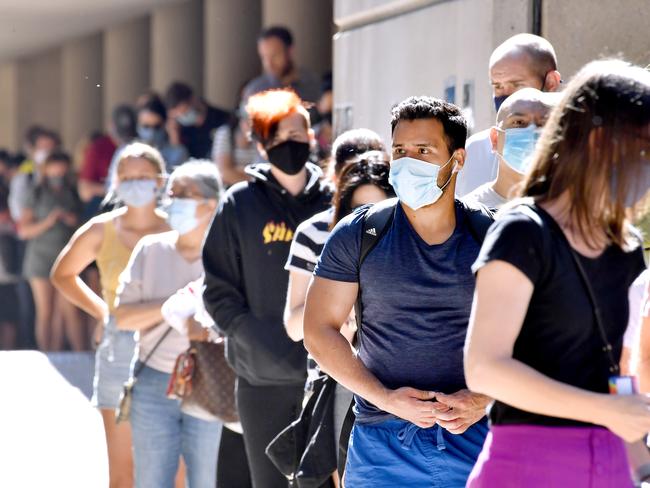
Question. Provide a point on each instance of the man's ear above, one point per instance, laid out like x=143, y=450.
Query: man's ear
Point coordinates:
x=552, y=81
x=494, y=137
x=459, y=158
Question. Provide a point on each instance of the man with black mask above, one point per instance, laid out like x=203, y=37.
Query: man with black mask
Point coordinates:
x=244, y=256
x=522, y=61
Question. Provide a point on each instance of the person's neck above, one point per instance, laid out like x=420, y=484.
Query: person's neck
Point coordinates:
x=435, y=223
x=560, y=210
x=141, y=218
x=290, y=76
x=189, y=244
x=507, y=180
x=294, y=184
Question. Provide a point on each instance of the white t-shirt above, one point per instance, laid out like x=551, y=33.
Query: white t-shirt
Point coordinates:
x=486, y=195
x=637, y=300
x=155, y=272
x=480, y=164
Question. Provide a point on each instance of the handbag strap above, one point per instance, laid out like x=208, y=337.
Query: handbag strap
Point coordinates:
x=141, y=366
x=614, y=368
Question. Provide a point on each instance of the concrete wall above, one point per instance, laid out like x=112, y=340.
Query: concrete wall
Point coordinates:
x=177, y=45
x=9, y=136
x=436, y=50
x=81, y=97
x=126, y=64
x=39, y=91
x=585, y=30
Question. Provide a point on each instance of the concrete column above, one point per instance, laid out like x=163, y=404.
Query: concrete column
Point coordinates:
x=125, y=64
x=39, y=91
x=230, y=51
x=9, y=134
x=81, y=88
x=177, y=45
x=310, y=21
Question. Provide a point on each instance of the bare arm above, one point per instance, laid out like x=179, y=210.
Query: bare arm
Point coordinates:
x=295, y=307
x=89, y=189
x=73, y=259
x=327, y=307
x=138, y=316
x=29, y=228
x=643, y=365
x=500, y=304
x=230, y=173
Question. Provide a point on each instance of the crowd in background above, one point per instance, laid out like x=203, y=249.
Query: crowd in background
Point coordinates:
x=399, y=299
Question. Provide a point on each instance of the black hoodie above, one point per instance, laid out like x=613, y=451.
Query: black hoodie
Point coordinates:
x=246, y=284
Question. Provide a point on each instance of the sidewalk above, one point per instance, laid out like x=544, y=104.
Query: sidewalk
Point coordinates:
x=50, y=435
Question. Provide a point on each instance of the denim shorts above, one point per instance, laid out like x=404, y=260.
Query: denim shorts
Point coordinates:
x=112, y=365
x=398, y=453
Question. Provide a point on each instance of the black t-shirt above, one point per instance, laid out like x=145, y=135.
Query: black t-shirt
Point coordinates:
x=198, y=139
x=559, y=337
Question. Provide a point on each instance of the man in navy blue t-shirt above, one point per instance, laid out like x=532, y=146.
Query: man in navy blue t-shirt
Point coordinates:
x=416, y=423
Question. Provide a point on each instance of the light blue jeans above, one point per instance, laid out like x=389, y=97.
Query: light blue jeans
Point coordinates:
x=162, y=433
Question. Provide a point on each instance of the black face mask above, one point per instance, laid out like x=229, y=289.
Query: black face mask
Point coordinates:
x=289, y=156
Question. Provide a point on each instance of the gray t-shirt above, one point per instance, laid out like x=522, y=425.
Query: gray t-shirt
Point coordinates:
x=307, y=86
x=486, y=195
x=155, y=272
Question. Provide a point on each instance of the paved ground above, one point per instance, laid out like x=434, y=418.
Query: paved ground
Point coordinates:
x=50, y=436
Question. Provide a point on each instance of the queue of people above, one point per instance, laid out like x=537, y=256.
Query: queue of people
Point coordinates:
x=479, y=307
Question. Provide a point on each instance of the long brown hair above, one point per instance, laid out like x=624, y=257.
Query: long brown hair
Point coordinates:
x=593, y=146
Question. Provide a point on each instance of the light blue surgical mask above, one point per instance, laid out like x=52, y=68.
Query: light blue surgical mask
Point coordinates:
x=189, y=117
x=416, y=182
x=155, y=136
x=181, y=215
x=137, y=193
x=519, y=147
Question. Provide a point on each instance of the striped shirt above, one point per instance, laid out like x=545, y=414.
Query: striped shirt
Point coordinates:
x=308, y=242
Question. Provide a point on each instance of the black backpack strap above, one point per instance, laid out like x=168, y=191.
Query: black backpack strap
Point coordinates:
x=479, y=219
x=376, y=222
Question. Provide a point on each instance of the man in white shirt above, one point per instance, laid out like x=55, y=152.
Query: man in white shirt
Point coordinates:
x=522, y=61
x=518, y=126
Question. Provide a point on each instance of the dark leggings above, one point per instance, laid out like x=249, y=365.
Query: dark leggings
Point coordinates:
x=264, y=412
x=232, y=471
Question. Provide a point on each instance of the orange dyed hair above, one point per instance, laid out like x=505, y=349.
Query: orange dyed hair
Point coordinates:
x=268, y=108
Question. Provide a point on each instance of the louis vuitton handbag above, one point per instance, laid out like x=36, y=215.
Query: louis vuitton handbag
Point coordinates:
x=203, y=378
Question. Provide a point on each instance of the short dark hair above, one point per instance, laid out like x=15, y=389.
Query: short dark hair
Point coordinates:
x=124, y=121
x=352, y=143
x=153, y=103
x=33, y=133
x=60, y=157
x=177, y=93
x=278, y=32
x=423, y=107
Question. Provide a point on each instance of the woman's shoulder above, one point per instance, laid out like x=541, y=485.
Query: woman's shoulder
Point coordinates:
x=522, y=214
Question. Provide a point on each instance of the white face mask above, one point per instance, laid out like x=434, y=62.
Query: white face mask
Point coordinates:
x=40, y=156
x=137, y=193
x=416, y=182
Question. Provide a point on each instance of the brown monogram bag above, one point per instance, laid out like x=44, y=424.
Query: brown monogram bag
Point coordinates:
x=203, y=377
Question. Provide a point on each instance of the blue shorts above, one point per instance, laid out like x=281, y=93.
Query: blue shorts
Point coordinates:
x=112, y=365
x=397, y=453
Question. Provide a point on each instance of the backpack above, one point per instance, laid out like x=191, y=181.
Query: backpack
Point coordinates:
x=377, y=221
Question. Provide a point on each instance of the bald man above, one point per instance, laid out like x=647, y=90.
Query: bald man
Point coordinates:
x=519, y=122
x=522, y=61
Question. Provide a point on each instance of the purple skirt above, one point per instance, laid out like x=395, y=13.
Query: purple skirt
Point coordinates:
x=537, y=456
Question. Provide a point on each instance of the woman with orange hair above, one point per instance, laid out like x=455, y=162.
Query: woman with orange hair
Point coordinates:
x=246, y=284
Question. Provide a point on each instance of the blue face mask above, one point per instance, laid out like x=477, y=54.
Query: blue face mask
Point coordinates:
x=189, y=118
x=519, y=147
x=137, y=193
x=639, y=186
x=181, y=215
x=416, y=182
x=152, y=135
